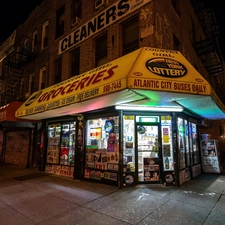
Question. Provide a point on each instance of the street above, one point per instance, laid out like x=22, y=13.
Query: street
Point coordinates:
x=30, y=197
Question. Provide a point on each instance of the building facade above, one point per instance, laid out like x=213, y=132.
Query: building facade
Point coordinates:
x=94, y=139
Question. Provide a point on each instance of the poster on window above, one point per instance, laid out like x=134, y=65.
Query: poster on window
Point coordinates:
x=210, y=158
x=151, y=169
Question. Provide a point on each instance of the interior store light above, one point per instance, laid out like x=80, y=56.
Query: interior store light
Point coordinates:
x=145, y=108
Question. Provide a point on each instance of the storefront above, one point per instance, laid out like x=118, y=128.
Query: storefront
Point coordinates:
x=133, y=120
x=15, y=136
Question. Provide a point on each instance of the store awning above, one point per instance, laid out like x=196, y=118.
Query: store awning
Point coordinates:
x=8, y=119
x=146, y=77
x=7, y=112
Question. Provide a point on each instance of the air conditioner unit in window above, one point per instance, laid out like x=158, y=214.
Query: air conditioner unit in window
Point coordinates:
x=75, y=21
x=100, y=3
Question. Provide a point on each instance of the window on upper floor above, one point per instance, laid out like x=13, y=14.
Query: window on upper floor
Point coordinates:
x=193, y=31
x=101, y=50
x=175, y=4
x=76, y=12
x=58, y=70
x=25, y=49
x=26, y=44
x=43, y=78
x=22, y=88
x=130, y=33
x=34, y=41
x=44, y=40
x=31, y=84
x=99, y=4
x=60, y=23
x=75, y=62
x=176, y=43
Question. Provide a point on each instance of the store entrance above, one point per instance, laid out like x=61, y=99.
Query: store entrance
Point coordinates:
x=148, y=160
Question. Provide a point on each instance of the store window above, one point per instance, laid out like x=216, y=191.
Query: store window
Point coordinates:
x=181, y=149
x=102, y=149
x=61, y=143
x=129, y=145
x=54, y=135
x=194, y=143
x=167, y=144
x=187, y=146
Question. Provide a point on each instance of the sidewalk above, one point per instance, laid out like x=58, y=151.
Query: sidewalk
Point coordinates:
x=44, y=199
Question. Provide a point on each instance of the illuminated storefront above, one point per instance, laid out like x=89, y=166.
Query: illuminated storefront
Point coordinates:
x=131, y=120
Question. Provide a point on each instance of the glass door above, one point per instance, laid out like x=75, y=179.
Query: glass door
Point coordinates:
x=148, y=152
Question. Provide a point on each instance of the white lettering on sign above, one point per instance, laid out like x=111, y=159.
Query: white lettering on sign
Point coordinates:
x=170, y=86
x=101, y=21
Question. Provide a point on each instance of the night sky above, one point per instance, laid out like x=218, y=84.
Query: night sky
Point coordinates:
x=15, y=12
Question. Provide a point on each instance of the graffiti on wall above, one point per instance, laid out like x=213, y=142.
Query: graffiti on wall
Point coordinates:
x=163, y=32
x=145, y=17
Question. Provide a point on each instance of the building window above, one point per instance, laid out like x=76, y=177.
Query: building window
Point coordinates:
x=175, y=6
x=43, y=79
x=31, y=84
x=75, y=62
x=44, y=41
x=58, y=70
x=193, y=31
x=22, y=87
x=25, y=50
x=34, y=41
x=130, y=31
x=76, y=12
x=60, y=22
x=26, y=44
x=176, y=43
x=101, y=50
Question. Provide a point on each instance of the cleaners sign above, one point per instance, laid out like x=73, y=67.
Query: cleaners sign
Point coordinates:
x=104, y=19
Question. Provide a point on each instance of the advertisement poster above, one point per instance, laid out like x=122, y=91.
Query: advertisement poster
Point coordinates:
x=151, y=169
x=210, y=160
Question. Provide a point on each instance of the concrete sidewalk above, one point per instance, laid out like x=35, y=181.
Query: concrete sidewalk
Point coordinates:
x=51, y=200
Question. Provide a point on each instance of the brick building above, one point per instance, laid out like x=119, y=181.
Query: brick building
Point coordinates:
x=62, y=41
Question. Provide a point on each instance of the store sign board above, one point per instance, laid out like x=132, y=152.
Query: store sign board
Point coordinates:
x=136, y=70
x=166, y=70
x=104, y=19
x=108, y=78
x=151, y=119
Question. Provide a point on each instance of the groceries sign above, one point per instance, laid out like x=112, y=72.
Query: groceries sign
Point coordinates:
x=145, y=68
x=104, y=19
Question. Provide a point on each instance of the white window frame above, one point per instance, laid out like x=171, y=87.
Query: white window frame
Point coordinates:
x=44, y=33
x=33, y=41
x=31, y=77
x=41, y=77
